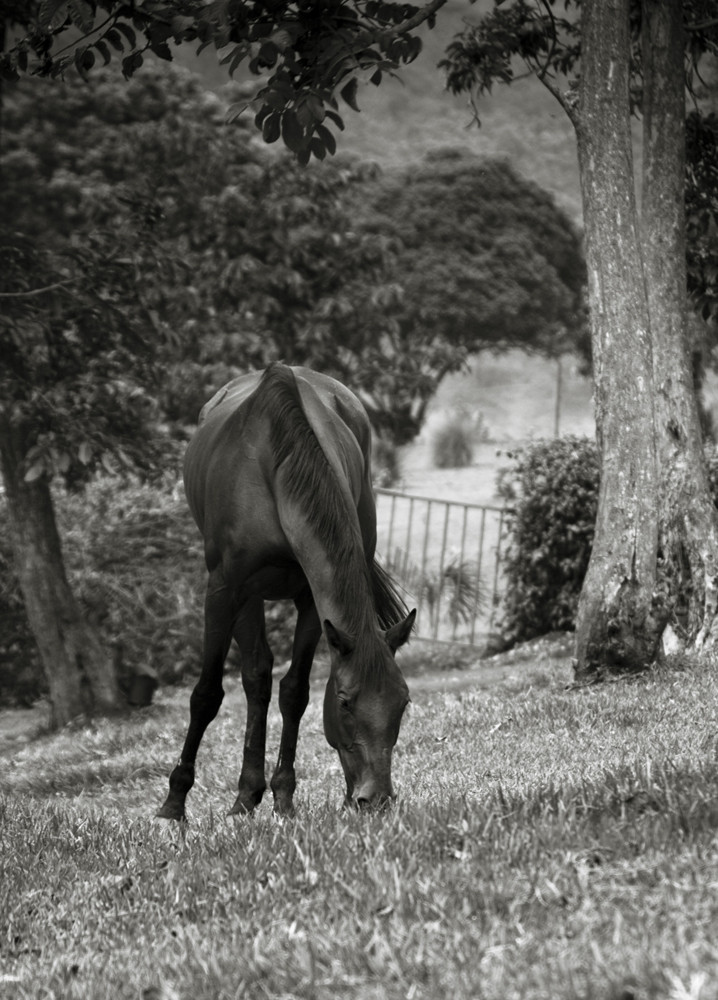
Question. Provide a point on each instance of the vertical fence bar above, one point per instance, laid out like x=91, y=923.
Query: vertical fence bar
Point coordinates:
x=407, y=546
x=496, y=569
x=459, y=582
x=440, y=584
x=479, y=561
x=390, y=532
x=424, y=551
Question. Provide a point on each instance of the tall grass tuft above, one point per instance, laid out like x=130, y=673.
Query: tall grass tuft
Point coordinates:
x=453, y=443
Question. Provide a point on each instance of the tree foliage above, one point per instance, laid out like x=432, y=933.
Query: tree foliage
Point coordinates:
x=307, y=52
x=486, y=259
x=552, y=491
x=540, y=38
x=249, y=258
x=77, y=335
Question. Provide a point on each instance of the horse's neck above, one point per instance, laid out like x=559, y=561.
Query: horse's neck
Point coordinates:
x=341, y=587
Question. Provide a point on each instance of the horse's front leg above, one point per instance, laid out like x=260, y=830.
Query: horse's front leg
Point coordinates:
x=256, y=665
x=293, y=700
x=207, y=694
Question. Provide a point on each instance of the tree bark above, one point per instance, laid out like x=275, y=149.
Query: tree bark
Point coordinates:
x=616, y=630
x=688, y=534
x=79, y=672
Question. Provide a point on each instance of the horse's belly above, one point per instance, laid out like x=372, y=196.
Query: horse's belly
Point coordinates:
x=276, y=583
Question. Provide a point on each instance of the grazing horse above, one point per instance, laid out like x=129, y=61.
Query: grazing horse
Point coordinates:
x=277, y=477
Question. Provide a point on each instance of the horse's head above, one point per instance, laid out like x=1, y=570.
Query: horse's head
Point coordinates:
x=363, y=706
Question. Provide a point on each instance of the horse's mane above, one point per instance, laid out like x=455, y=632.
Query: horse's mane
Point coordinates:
x=313, y=484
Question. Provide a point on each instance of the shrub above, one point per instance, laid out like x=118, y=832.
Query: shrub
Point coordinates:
x=453, y=444
x=553, y=490
x=386, y=465
x=134, y=558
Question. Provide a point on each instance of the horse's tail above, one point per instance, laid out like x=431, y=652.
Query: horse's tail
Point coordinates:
x=390, y=607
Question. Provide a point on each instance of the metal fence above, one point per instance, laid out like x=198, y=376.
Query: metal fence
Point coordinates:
x=447, y=557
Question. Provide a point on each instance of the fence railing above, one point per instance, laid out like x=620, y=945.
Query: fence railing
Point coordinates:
x=446, y=555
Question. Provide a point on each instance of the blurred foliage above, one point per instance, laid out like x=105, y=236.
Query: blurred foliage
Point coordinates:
x=452, y=445
x=225, y=257
x=551, y=493
x=135, y=561
x=487, y=258
x=150, y=252
x=511, y=38
x=385, y=463
x=552, y=497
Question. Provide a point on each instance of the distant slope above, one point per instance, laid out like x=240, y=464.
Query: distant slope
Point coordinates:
x=402, y=119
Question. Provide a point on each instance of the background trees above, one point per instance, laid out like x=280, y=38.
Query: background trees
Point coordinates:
x=152, y=251
x=310, y=54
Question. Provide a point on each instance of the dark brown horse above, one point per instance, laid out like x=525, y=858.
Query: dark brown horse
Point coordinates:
x=277, y=477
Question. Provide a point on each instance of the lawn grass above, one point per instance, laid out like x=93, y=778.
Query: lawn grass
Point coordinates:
x=547, y=842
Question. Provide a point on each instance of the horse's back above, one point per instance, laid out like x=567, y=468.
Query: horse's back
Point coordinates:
x=230, y=464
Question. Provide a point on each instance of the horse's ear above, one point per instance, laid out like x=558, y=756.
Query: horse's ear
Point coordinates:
x=341, y=641
x=397, y=635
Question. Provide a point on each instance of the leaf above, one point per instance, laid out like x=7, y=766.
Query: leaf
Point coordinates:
x=338, y=121
x=162, y=50
x=292, y=132
x=104, y=51
x=115, y=39
x=127, y=31
x=85, y=453
x=84, y=61
x=327, y=139
x=181, y=23
x=35, y=471
x=81, y=14
x=318, y=148
x=131, y=63
x=349, y=93
x=271, y=128
x=53, y=14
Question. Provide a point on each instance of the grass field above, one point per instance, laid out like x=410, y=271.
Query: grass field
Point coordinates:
x=547, y=842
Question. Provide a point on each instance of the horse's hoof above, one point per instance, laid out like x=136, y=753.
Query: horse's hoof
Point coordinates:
x=284, y=809
x=170, y=810
x=245, y=804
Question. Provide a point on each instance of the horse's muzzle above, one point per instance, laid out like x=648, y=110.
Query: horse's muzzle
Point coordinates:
x=375, y=803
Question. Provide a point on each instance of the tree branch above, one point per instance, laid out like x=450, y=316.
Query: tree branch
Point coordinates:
x=88, y=34
x=411, y=22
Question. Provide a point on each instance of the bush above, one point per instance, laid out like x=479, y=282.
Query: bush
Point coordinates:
x=385, y=464
x=453, y=444
x=553, y=492
x=135, y=561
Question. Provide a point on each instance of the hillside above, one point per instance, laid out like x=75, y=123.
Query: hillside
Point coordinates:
x=404, y=118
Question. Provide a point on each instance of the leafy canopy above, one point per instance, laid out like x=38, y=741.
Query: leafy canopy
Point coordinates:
x=536, y=37
x=307, y=51
x=385, y=281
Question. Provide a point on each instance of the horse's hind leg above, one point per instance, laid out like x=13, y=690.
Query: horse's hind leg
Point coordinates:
x=256, y=664
x=293, y=699
x=207, y=694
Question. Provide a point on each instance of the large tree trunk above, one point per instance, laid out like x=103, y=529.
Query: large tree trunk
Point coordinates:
x=616, y=628
x=79, y=672
x=688, y=523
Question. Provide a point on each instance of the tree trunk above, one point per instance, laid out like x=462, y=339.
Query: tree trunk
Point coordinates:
x=616, y=628
x=79, y=673
x=688, y=523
